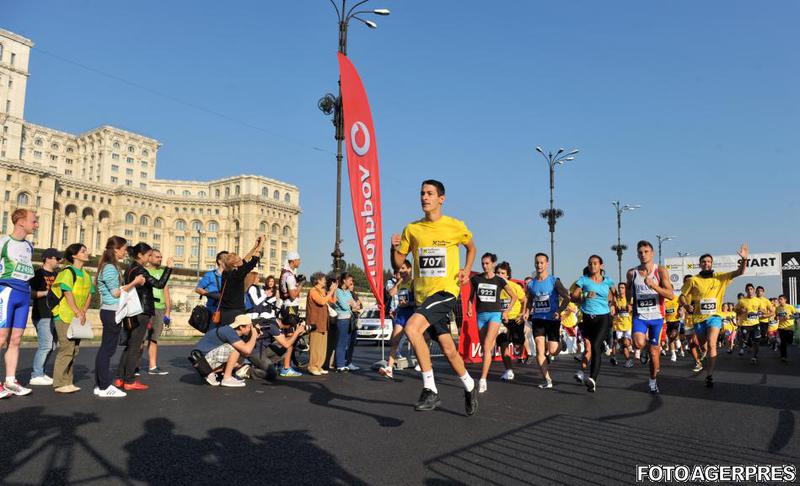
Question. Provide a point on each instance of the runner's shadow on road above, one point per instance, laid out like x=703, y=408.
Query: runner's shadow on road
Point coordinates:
x=320, y=394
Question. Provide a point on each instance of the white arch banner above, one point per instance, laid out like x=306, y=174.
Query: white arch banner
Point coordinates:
x=758, y=265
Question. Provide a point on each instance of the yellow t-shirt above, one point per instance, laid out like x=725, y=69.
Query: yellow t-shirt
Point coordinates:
x=569, y=318
x=785, y=315
x=748, y=310
x=505, y=299
x=622, y=320
x=707, y=294
x=766, y=310
x=434, y=248
x=671, y=310
x=727, y=321
x=81, y=288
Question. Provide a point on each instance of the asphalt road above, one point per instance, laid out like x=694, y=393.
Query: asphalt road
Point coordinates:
x=358, y=428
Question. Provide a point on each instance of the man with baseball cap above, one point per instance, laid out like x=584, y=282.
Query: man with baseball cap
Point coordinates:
x=42, y=316
x=223, y=347
x=289, y=288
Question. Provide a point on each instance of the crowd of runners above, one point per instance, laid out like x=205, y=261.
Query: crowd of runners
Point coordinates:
x=643, y=319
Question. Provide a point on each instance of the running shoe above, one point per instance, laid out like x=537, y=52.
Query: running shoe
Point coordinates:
x=111, y=392
x=66, y=389
x=137, y=372
x=232, y=382
x=614, y=361
x=481, y=386
x=698, y=367
x=15, y=388
x=752, y=361
x=508, y=375
x=682, y=353
x=428, y=400
x=157, y=371
x=243, y=372
x=353, y=367
x=314, y=372
x=663, y=352
x=41, y=380
x=741, y=351
x=289, y=373
x=637, y=354
x=580, y=377
x=654, y=388
x=546, y=385
x=729, y=351
x=118, y=382
x=709, y=382
x=386, y=372
x=136, y=386
x=606, y=349
x=471, y=401
x=417, y=368
x=578, y=357
x=591, y=385
x=673, y=357
x=212, y=379
x=629, y=363
x=783, y=360
x=343, y=369
x=4, y=393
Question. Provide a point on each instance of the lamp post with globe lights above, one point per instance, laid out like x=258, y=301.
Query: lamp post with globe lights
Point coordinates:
x=551, y=215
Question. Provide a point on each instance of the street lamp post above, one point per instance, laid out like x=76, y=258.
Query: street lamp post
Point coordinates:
x=662, y=239
x=551, y=215
x=199, y=251
x=332, y=105
x=619, y=247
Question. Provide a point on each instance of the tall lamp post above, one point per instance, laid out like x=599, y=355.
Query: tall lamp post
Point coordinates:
x=332, y=105
x=662, y=239
x=619, y=247
x=199, y=251
x=551, y=215
x=683, y=255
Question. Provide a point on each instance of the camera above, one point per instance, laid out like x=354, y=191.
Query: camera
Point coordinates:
x=310, y=328
x=300, y=279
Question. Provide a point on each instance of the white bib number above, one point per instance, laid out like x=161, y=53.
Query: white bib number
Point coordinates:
x=542, y=304
x=752, y=316
x=433, y=262
x=624, y=315
x=646, y=304
x=487, y=292
x=504, y=304
x=708, y=306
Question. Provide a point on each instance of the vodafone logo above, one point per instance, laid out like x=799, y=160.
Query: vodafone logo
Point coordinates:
x=360, y=150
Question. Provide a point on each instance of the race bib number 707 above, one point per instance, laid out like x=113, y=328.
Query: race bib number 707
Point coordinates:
x=432, y=262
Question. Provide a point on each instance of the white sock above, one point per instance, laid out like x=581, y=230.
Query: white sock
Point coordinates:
x=427, y=381
x=468, y=382
x=11, y=379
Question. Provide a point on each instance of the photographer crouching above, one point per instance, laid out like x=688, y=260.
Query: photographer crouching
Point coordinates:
x=276, y=344
x=222, y=349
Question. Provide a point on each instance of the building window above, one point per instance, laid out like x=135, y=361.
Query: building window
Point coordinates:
x=276, y=195
x=114, y=179
x=128, y=182
x=197, y=226
x=70, y=150
x=216, y=193
x=227, y=192
x=116, y=145
x=195, y=246
x=283, y=256
x=199, y=194
x=114, y=168
x=129, y=160
x=216, y=211
x=1, y=58
x=69, y=172
x=8, y=106
x=5, y=222
x=13, y=58
x=158, y=223
x=156, y=236
x=272, y=252
x=143, y=164
x=262, y=228
x=68, y=161
x=129, y=233
x=187, y=193
x=275, y=228
x=170, y=192
x=145, y=153
x=129, y=172
x=179, y=251
x=38, y=142
x=54, y=146
x=37, y=154
x=213, y=226
x=114, y=156
x=54, y=158
x=144, y=221
x=180, y=225
x=287, y=231
x=23, y=199
x=265, y=192
x=131, y=149
x=143, y=235
x=238, y=189
x=130, y=218
x=287, y=198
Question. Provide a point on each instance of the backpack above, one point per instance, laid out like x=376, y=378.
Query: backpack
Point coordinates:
x=283, y=289
x=53, y=298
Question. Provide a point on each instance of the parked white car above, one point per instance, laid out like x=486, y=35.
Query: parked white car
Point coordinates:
x=368, y=326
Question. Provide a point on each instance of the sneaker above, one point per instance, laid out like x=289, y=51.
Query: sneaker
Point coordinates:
x=15, y=388
x=136, y=385
x=482, y=386
x=663, y=352
x=508, y=375
x=96, y=390
x=212, y=379
x=428, y=400
x=654, y=388
x=157, y=371
x=637, y=354
x=673, y=357
x=287, y=373
x=137, y=372
x=682, y=353
x=315, y=372
x=471, y=401
x=546, y=385
x=578, y=357
x=353, y=367
x=629, y=363
x=729, y=351
x=41, y=380
x=111, y=392
x=614, y=361
x=752, y=361
x=386, y=372
x=783, y=360
x=243, y=372
x=698, y=367
x=323, y=372
x=67, y=389
x=741, y=352
x=606, y=349
x=233, y=382
x=4, y=393
x=417, y=368
x=709, y=382
x=591, y=385
x=580, y=377
x=343, y=369
x=118, y=383
x=550, y=358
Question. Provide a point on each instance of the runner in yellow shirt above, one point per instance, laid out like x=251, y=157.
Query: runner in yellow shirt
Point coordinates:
x=569, y=322
x=707, y=289
x=749, y=310
x=786, y=320
x=622, y=326
x=728, y=327
x=672, y=312
x=433, y=242
x=515, y=324
x=766, y=313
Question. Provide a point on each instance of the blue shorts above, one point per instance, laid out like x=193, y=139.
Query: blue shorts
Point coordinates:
x=702, y=327
x=652, y=328
x=487, y=317
x=14, y=305
x=401, y=318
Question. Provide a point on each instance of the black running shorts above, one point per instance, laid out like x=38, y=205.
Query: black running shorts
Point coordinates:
x=544, y=327
x=436, y=310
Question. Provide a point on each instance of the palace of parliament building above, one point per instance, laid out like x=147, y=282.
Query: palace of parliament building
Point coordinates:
x=86, y=187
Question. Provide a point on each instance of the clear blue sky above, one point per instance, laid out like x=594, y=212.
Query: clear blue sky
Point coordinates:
x=687, y=108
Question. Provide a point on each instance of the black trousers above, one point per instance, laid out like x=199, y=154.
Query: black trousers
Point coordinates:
x=108, y=346
x=133, y=347
x=595, y=329
x=787, y=336
x=332, y=335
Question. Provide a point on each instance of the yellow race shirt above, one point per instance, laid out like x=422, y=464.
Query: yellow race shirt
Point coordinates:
x=727, y=321
x=707, y=294
x=766, y=310
x=569, y=318
x=748, y=309
x=434, y=248
x=622, y=320
x=81, y=286
x=505, y=299
x=785, y=314
x=671, y=310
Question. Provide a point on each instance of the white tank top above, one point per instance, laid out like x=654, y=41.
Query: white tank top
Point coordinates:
x=648, y=305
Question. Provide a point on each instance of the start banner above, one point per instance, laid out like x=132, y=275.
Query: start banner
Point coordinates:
x=758, y=265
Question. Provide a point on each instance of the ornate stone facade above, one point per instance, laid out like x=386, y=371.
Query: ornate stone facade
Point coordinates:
x=90, y=186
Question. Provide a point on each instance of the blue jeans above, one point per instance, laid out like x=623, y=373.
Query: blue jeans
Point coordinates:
x=342, y=341
x=44, y=334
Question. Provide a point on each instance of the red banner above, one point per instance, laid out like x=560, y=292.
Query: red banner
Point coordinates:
x=362, y=164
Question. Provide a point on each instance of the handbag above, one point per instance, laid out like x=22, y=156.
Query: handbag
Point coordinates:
x=217, y=315
x=76, y=330
x=129, y=304
x=200, y=318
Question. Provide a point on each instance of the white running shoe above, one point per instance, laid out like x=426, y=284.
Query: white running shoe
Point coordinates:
x=629, y=363
x=232, y=382
x=682, y=353
x=417, y=368
x=387, y=372
x=546, y=385
x=673, y=357
x=698, y=367
x=508, y=375
x=579, y=376
x=111, y=392
x=653, y=387
x=353, y=367
x=43, y=380
x=481, y=386
x=96, y=390
x=4, y=393
x=591, y=385
x=17, y=389
x=638, y=354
